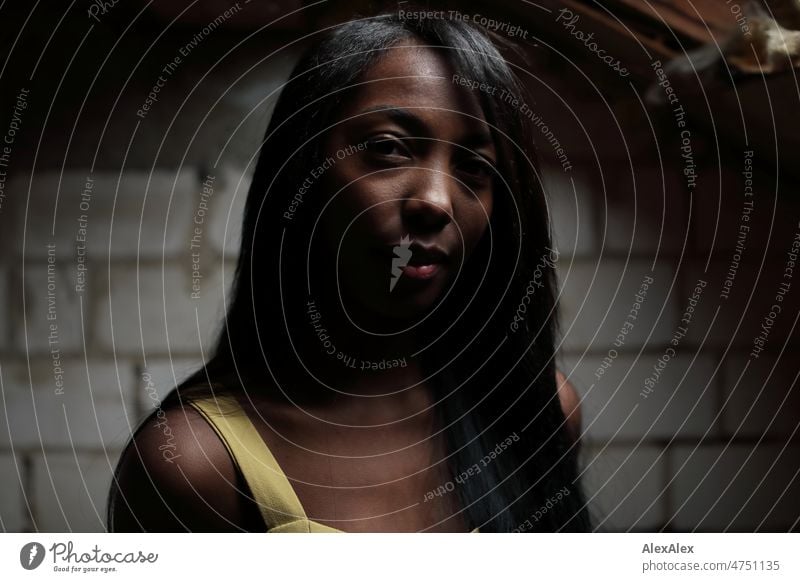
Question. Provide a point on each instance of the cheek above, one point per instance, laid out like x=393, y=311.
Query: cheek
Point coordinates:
x=360, y=209
x=475, y=222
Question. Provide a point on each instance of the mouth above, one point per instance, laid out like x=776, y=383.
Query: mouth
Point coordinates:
x=421, y=271
x=416, y=261
x=427, y=255
x=425, y=261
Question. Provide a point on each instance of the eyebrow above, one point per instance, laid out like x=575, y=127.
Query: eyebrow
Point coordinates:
x=406, y=117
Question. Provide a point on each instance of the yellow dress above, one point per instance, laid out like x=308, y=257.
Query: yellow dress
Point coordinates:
x=279, y=505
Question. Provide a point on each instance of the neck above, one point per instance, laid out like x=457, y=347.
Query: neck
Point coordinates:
x=352, y=377
x=354, y=360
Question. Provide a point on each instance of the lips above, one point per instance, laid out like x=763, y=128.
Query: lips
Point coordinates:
x=426, y=255
x=417, y=261
x=421, y=271
x=425, y=262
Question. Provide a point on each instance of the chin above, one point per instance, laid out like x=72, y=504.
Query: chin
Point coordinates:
x=402, y=307
x=412, y=306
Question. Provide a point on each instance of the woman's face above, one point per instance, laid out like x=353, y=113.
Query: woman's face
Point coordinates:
x=409, y=168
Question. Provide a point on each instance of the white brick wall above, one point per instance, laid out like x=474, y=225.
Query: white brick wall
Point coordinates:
x=13, y=514
x=772, y=221
x=742, y=313
x=597, y=296
x=718, y=489
x=763, y=398
x=645, y=211
x=136, y=214
x=152, y=310
x=682, y=402
x=227, y=209
x=5, y=309
x=160, y=376
x=625, y=487
x=570, y=204
x=95, y=410
x=48, y=430
x=62, y=308
x=70, y=491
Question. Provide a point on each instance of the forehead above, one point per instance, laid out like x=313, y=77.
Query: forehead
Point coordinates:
x=414, y=76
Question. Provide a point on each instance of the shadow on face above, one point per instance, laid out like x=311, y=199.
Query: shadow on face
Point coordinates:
x=408, y=174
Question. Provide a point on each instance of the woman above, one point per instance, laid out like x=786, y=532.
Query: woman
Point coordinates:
x=386, y=363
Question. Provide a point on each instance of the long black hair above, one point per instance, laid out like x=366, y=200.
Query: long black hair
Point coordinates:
x=492, y=364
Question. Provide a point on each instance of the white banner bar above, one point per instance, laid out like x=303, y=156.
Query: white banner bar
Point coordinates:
x=401, y=557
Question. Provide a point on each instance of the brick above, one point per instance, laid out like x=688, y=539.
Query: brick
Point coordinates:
x=625, y=486
x=593, y=310
x=155, y=306
x=13, y=517
x=569, y=198
x=677, y=406
x=748, y=303
x=224, y=222
x=7, y=222
x=115, y=214
x=45, y=283
x=646, y=210
x=160, y=376
x=763, y=399
x=772, y=223
x=79, y=418
x=45, y=212
x=70, y=492
x=709, y=495
x=5, y=309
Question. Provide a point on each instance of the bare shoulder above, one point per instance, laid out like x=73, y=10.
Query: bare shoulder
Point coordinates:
x=570, y=404
x=177, y=475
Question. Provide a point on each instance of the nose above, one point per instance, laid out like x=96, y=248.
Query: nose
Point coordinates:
x=429, y=204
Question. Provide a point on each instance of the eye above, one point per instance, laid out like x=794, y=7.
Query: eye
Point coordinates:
x=478, y=168
x=387, y=146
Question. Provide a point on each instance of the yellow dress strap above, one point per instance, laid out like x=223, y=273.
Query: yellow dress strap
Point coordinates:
x=279, y=505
